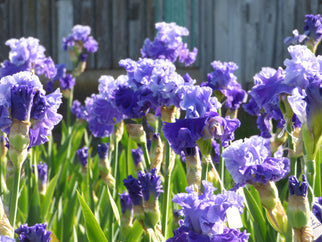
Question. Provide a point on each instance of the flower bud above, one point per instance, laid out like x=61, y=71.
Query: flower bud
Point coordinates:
x=137, y=155
x=156, y=152
x=5, y=227
x=169, y=114
x=118, y=131
x=298, y=210
x=19, y=141
x=152, y=214
x=193, y=168
x=276, y=214
x=136, y=132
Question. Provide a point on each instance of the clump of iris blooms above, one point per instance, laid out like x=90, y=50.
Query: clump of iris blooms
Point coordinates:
x=168, y=44
x=36, y=232
x=26, y=54
x=205, y=215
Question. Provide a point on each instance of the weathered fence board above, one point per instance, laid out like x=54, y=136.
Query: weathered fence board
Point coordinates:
x=248, y=32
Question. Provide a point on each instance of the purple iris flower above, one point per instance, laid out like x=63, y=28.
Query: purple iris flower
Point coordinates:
x=314, y=107
x=184, y=133
x=303, y=66
x=205, y=214
x=313, y=26
x=317, y=208
x=153, y=83
x=126, y=204
x=102, y=116
x=297, y=39
x=42, y=172
x=168, y=44
x=6, y=239
x=221, y=128
x=151, y=185
x=264, y=102
x=102, y=150
x=25, y=97
x=297, y=187
x=79, y=110
x=82, y=156
x=224, y=80
x=137, y=155
x=127, y=100
x=197, y=101
x=34, y=233
x=134, y=188
x=249, y=161
x=67, y=82
x=27, y=54
x=21, y=102
x=81, y=34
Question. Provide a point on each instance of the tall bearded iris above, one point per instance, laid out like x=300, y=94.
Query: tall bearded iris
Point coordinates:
x=249, y=161
x=24, y=99
x=224, y=80
x=27, y=54
x=168, y=44
x=205, y=215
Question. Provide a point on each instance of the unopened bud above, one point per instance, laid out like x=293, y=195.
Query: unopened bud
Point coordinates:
x=156, y=152
x=193, y=168
x=169, y=114
x=136, y=132
x=19, y=141
x=152, y=213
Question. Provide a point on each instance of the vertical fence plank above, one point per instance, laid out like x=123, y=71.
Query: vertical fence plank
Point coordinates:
x=136, y=33
x=4, y=30
x=150, y=17
x=43, y=23
x=103, y=33
x=29, y=20
x=64, y=26
x=120, y=30
x=15, y=19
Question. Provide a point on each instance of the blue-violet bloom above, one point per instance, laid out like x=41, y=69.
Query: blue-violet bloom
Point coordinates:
x=34, y=233
x=249, y=161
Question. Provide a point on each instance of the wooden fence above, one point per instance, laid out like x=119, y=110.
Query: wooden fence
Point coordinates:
x=248, y=32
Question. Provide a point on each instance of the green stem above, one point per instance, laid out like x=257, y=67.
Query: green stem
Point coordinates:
x=221, y=166
x=14, y=196
x=293, y=160
x=147, y=162
x=69, y=106
x=206, y=159
x=111, y=217
x=166, y=195
x=115, y=163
